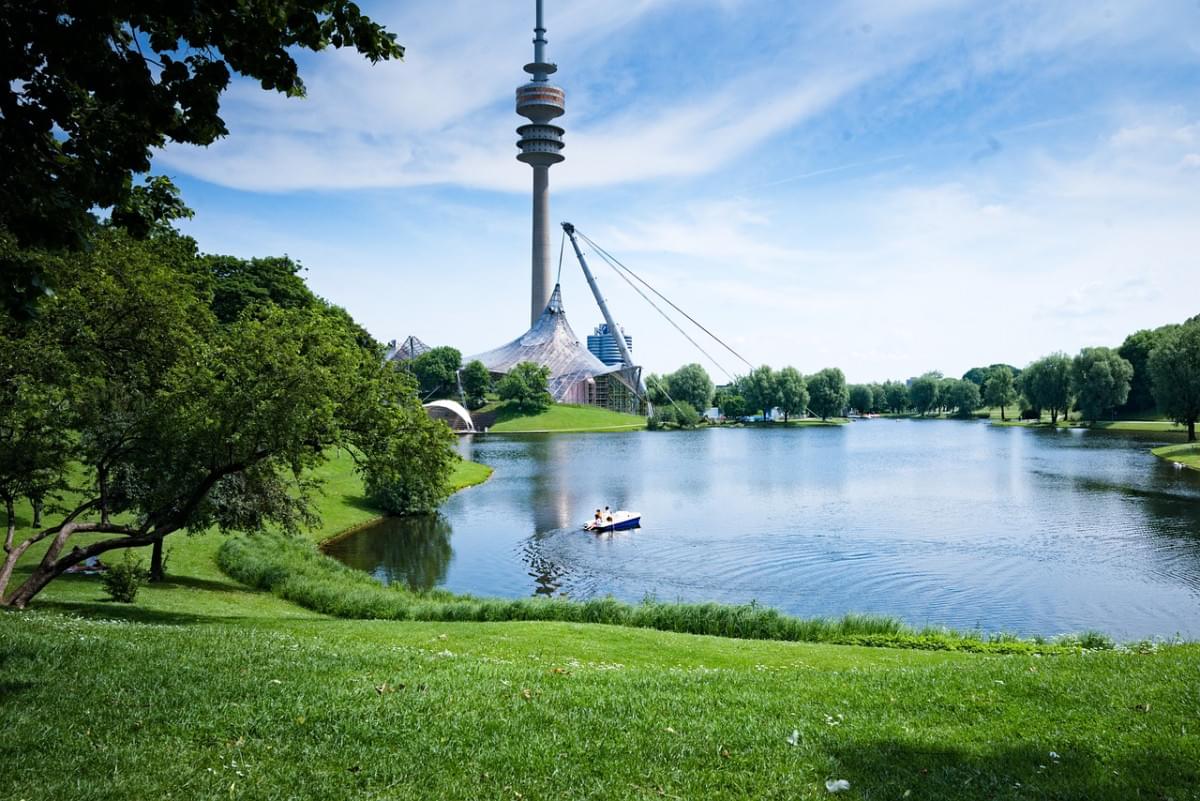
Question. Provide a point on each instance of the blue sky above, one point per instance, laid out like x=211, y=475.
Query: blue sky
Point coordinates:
x=885, y=187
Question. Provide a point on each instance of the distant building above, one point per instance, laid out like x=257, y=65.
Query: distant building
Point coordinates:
x=404, y=351
x=604, y=347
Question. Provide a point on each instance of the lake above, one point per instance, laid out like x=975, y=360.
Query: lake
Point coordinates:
x=961, y=524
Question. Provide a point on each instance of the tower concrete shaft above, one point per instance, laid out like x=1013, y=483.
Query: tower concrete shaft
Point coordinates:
x=540, y=101
x=542, y=284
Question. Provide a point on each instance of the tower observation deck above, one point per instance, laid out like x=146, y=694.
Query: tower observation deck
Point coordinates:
x=541, y=141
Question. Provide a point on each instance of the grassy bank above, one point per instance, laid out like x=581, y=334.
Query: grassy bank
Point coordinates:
x=195, y=584
x=1187, y=454
x=208, y=688
x=559, y=417
x=299, y=573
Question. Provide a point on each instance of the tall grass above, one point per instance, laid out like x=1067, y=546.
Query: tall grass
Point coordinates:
x=297, y=572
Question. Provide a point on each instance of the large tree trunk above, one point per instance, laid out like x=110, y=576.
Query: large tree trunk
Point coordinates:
x=156, y=562
x=1003, y=419
x=1191, y=430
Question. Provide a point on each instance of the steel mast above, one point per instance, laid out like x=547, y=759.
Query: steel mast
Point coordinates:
x=613, y=329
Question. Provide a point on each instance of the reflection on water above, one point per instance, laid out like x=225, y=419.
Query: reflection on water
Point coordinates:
x=413, y=550
x=960, y=524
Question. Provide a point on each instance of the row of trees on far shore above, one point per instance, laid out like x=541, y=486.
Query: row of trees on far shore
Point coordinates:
x=1153, y=369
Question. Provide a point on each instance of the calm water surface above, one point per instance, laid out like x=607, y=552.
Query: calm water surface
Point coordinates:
x=959, y=524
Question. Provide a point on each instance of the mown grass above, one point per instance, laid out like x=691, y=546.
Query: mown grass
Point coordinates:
x=99, y=709
x=560, y=417
x=1187, y=454
x=297, y=572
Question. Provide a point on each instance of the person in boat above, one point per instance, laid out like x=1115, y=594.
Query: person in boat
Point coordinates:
x=597, y=518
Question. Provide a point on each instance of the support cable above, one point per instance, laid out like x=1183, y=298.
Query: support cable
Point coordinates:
x=613, y=260
x=562, y=243
x=654, y=306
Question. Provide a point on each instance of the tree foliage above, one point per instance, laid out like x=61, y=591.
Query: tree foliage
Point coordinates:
x=679, y=414
x=760, y=390
x=792, y=392
x=476, y=381
x=692, y=385
x=923, y=393
x=241, y=284
x=1136, y=350
x=961, y=397
x=525, y=386
x=1046, y=384
x=896, y=395
x=1100, y=380
x=436, y=371
x=89, y=90
x=862, y=399
x=731, y=403
x=167, y=419
x=999, y=388
x=1174, y=366
x=827, y=393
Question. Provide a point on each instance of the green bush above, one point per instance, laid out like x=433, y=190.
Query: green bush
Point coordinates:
x=124, y=579
x=680, y=414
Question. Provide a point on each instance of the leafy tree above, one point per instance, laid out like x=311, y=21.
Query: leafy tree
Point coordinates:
x=476, y=381
x=1100, y=379
x=962, y=397
x=436, y=371
x=89, y=90
x=923, y=393
x=691, y=383
x=861, y=398
x=731, y=404
x=525, y=385
x=793, y=392
x=946, y=387
x=1174, y=366
x=998, y=389
x=240, y=284
x=1046, y=384
x=878, y=398
x=896, y=395
x=827, y=392
x=760, y=390
x=657, y=389
x=1136, y=350
x=976, y=375
x=177, y=422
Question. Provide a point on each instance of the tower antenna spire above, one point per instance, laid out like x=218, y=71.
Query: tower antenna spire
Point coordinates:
x=540, y=102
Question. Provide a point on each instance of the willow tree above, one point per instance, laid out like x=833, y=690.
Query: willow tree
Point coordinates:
x=169, y=420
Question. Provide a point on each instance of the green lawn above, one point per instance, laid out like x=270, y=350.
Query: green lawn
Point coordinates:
x=206, y=689
x=562, y=417
x=1188, y=454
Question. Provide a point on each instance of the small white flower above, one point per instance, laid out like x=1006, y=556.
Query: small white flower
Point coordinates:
x=837, y=786
x=1054, y=756
x=794, y=737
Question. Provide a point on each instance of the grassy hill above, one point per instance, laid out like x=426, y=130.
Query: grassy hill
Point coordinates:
x=506, y=418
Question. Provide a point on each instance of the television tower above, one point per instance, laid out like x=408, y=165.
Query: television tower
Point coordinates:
x=540, y=102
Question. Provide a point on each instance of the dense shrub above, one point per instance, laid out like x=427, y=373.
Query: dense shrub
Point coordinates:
x=123, y=580
x=679, y=414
